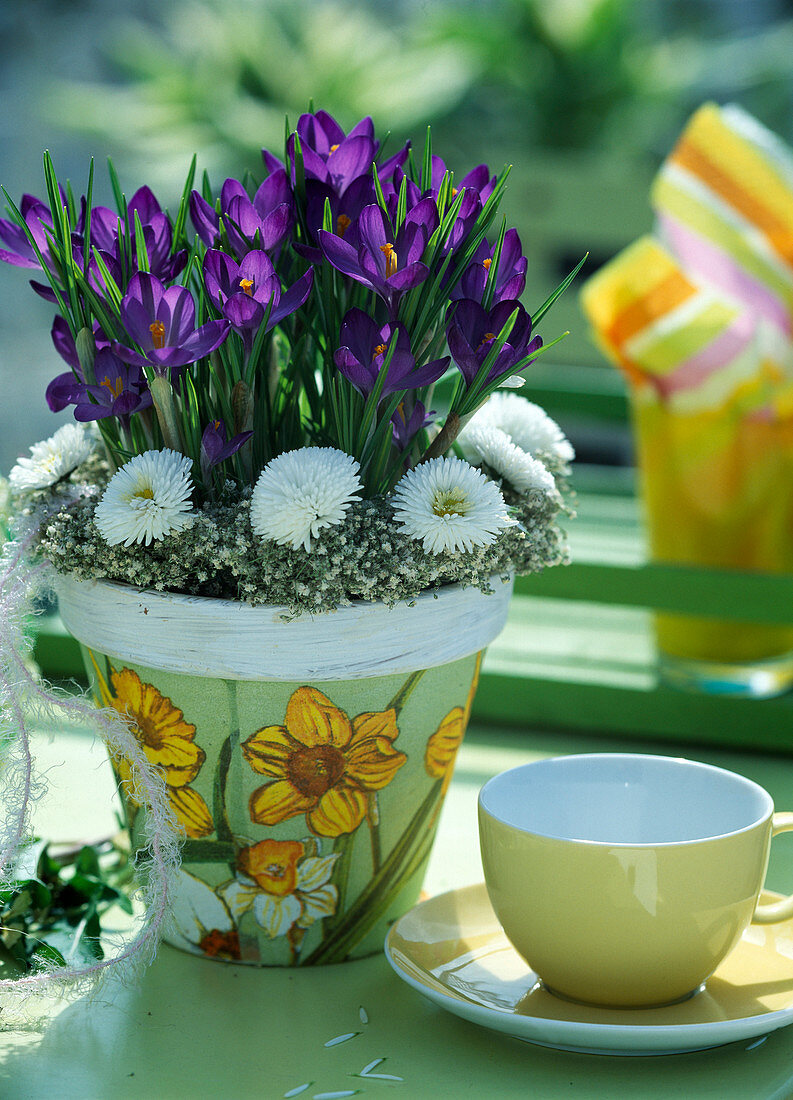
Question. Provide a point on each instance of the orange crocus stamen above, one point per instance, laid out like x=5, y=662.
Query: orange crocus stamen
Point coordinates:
x=247, y=286
x=486, y=264
x=116, y=388
x=390, y=259
x=157, y=330
x=342, y=225
x=381, y=349
x=333, y=148
x=488, y=336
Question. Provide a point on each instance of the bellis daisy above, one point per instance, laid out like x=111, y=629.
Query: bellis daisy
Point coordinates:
x=51, y=459
x=300, y=492
x=527, y=425
x=449, y=506
x=147, y=499
x=492, y=447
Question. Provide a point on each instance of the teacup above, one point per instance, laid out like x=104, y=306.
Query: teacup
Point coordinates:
x=624, y=879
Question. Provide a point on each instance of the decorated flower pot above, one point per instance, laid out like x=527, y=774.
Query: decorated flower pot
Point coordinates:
x=306, y=759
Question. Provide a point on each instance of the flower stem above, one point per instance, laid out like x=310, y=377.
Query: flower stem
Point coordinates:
x=373, y=820
x=162, y=399
x=401, y=697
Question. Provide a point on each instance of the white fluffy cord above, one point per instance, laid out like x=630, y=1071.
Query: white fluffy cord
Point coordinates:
x=24, y=701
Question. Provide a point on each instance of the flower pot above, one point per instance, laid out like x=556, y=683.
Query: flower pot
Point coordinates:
x=306, y=760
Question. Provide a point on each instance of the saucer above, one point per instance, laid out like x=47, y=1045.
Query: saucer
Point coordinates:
x=452, y=949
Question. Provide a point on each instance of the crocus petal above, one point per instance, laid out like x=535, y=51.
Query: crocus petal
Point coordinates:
x=462, y=353
x=144, y=204
x=64, y=390
x=337, y=252
x=205, y=220
x=243, y=312
x=275, y=225
x=16, y=260
x=350, y=159
x=408, y=277
x=205, y=340
x=64, y=342
x=271, y=162
x=292, y=299
x=177, y=312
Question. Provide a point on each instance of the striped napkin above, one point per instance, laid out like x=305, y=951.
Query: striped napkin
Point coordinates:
x=703, y=310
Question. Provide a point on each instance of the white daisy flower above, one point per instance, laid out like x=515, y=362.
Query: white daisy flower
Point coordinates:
x=147, y=499
x=51, y=459
x=484, y=444
x=300, y=492
x=449, y=506
x=527, y=425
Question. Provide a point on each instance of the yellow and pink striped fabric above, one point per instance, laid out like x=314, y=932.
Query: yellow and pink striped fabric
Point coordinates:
x=704, y=311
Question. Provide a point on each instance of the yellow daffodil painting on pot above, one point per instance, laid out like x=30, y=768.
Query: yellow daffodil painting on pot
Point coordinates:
x=308, y=810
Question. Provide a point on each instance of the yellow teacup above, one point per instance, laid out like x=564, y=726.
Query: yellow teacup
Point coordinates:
x=624, y=879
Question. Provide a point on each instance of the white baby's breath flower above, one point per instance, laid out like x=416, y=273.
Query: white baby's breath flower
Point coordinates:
x=527, y=425
x=300, y=492
x=147, y=499
x=489, y=446
x=51, y=459
x=449, y=506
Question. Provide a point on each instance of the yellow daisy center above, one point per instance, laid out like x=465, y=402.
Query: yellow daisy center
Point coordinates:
x=449, y=502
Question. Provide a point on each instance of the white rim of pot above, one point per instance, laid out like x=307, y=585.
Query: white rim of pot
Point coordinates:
x=236, y=641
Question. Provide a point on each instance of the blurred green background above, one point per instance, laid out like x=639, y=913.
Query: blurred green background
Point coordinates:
x=583, y=97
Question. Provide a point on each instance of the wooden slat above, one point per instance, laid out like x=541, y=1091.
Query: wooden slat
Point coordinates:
x=585, y=667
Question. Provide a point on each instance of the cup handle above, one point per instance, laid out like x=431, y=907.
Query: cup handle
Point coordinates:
x=782, y=909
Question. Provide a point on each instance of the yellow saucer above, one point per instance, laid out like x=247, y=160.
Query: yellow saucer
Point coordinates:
x=452, y=949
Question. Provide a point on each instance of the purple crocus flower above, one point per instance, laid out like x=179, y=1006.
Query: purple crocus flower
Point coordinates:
x=20, y=252
x=471, y=330
x=270, y=214
x=330, y=155
x=157, y=235
x=69, y=387
x=120, y=390
x=364, y=346
x=478, y=180
x=406, y=426
x=510, y=277
x=345, y=210
x=243, y=292
x=162, y=323
x=215, y=449
x=387, y=264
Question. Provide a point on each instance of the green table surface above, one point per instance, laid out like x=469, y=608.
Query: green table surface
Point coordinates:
x=196, y=1029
